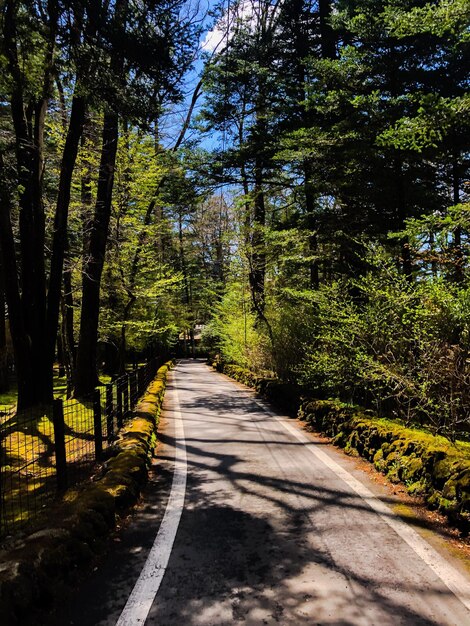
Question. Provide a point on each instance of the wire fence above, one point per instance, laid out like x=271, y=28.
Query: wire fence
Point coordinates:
x=46, y=449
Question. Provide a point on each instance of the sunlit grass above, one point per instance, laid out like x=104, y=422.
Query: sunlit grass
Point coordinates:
x=29, y=478
x=9, y=398
x=28, y=451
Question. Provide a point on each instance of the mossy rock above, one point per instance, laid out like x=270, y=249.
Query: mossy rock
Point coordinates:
x=124, y=494
x=340, y=439
x=80, y=552
x=463, y=480
x=393, y=473
x=417, y=488
x=95, y=500
x=458, y=486
x=443, y=469
x=413, y=468
x=17, y=593
x=431, y=456
x=373, y=442
x=391, y=457
x=379, y=461
x=354, y=445
x=129, y=463
x=351, y=450
x=385, y=447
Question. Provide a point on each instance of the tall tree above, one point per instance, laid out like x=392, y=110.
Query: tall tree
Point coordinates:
x=31, y=35
x=148, y=47
x=4, y=382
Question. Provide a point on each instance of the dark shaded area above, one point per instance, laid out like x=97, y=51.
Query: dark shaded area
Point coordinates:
x=243, y=559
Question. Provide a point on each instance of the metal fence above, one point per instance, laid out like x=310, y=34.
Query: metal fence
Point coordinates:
x=46, y=449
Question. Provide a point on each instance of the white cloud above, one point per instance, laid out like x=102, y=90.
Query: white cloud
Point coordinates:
x=235, y=12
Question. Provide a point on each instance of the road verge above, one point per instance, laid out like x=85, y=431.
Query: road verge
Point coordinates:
x=428, y=466
x=34, y=571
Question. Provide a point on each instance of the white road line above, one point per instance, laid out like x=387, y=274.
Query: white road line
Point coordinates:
x=453, y=579
x=146, y=588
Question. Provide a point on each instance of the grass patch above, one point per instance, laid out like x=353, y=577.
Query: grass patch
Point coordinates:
x=28, y=459
x=27, y=453
x=9, y=398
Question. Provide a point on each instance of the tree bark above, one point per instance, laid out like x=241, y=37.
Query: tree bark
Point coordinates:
x=327, y=34
x=459, y=260
x=257, y=273
x=3, y=334
x=86, y=375
x=29, y=123
x=21, y=345
x=59, y=242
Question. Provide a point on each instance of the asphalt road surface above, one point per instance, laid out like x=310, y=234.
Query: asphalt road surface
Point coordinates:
x=277, y=527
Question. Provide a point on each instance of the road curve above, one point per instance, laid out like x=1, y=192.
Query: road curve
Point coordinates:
x=272, y=532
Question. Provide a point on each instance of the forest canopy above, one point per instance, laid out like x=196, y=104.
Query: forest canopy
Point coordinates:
x=309, y=210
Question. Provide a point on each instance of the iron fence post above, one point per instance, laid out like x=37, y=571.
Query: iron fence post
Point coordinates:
x=59, y=444
x=140, y=380
x=132, y=389
x=126, y=387
x=97, y=430
x=109, y=412
x=119, y=393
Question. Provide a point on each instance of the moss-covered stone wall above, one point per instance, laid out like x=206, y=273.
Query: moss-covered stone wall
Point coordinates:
x=33, y=572
x=429, y=466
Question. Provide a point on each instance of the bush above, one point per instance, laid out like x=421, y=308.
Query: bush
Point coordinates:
x=233, y=334
x=399, y=347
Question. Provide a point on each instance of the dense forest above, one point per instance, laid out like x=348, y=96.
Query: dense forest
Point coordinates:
x=290, y=175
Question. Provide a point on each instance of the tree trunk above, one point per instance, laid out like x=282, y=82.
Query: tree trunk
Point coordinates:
x=67, y=313
x=59, y=243
x=459, y=260
x=86, y=375
x=21, y=345
x=29, y=123
x=67, y=327
x=258, y=253
x=60, y=356
x=3, y=335
x=311, y=224
x=182, y=256
x=68, y=356
x=327, y=34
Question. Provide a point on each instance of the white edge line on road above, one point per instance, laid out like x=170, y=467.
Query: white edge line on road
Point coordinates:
x=452, y=578
x=146, y=588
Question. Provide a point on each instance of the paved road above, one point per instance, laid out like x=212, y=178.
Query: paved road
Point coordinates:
x=276, y=529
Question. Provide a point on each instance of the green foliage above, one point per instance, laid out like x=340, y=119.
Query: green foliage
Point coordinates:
x=394, y=345
x=436, y=118
x=439, y=242
x=438, y=18
x=232, y=331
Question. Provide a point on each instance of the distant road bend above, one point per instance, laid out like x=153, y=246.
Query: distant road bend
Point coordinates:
x=250, y=520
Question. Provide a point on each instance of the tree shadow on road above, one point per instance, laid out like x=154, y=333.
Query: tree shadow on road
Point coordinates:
x=230, y=566
x=265, y=563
